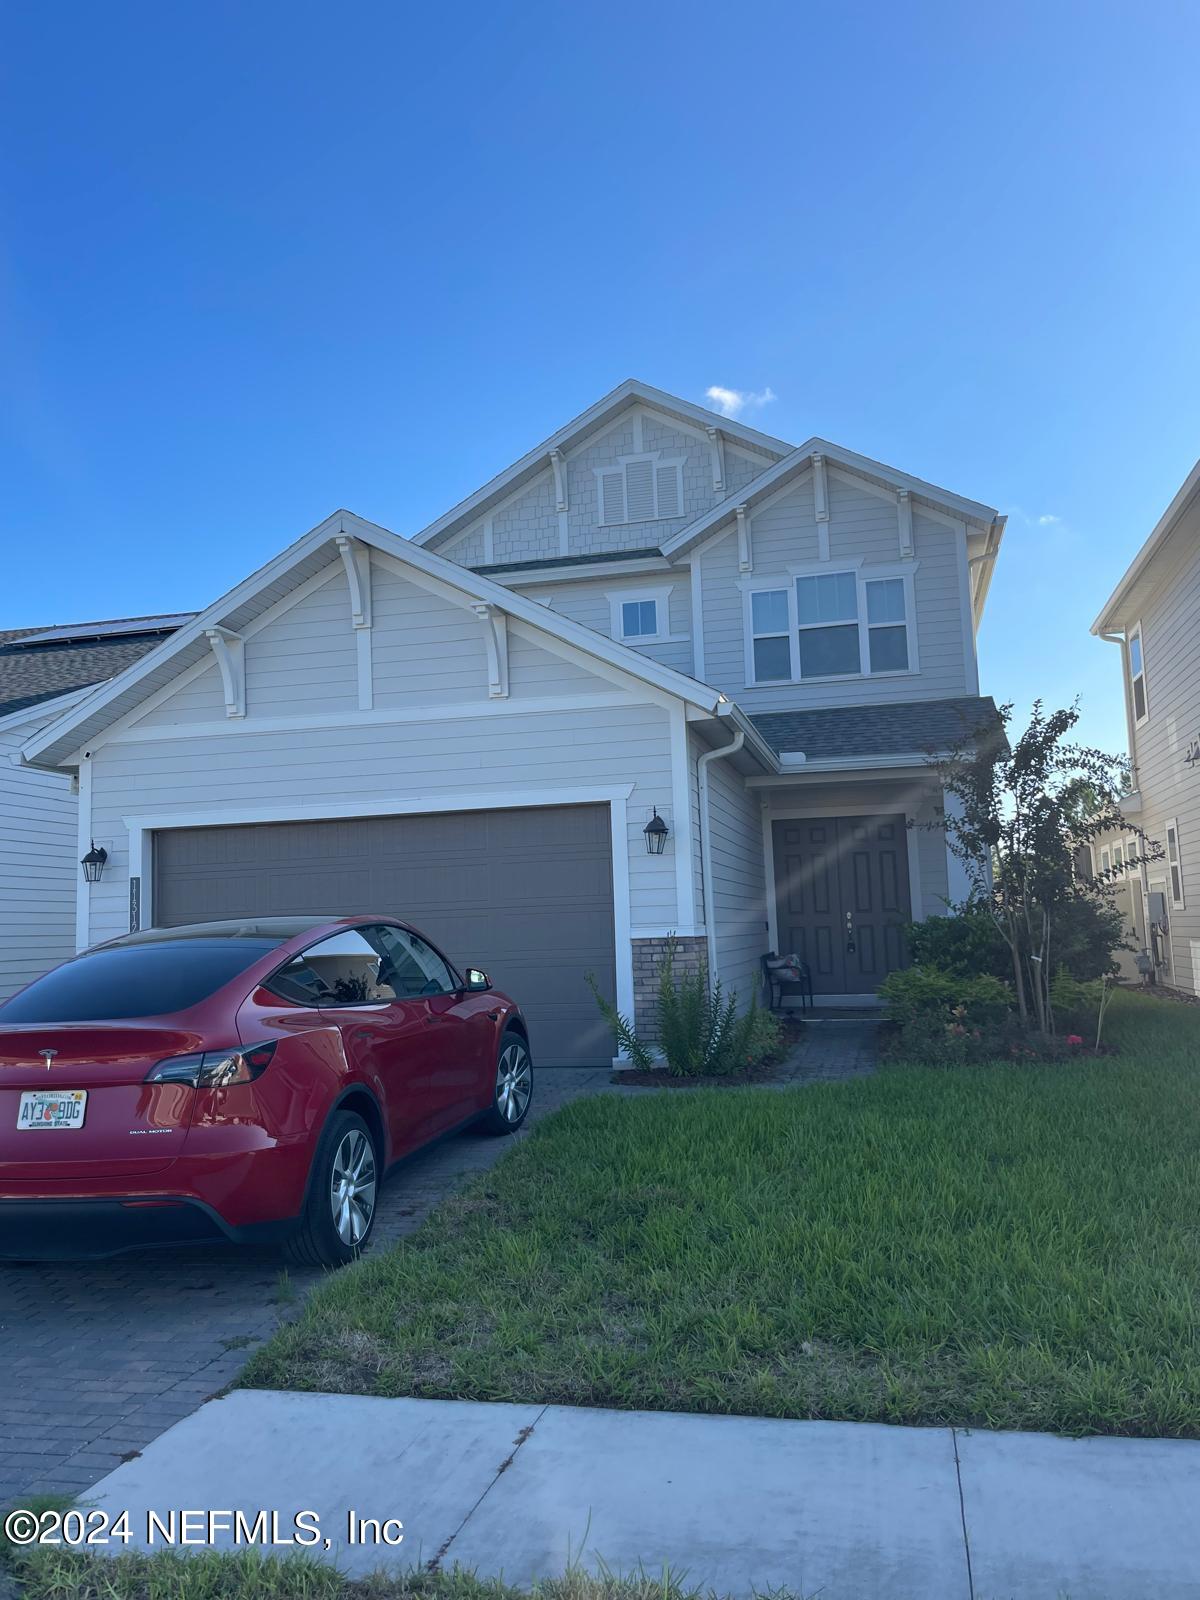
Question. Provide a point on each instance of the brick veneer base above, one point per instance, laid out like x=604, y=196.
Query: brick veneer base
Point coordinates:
x=691, y=957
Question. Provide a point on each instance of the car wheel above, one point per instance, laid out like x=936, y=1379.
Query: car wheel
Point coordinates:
x=513, y=1088
x=339, y=1212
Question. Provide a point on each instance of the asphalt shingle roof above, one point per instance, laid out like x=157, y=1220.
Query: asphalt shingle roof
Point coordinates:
x=31, y=673
x=879, y=730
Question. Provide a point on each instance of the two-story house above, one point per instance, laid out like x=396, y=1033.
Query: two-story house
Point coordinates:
x=657, y=618
x=1154, y=616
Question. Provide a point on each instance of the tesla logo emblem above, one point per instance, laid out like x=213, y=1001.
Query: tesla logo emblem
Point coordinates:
x=48, y=1057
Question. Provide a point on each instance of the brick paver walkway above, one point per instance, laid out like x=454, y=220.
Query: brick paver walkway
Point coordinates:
x=98, y=1358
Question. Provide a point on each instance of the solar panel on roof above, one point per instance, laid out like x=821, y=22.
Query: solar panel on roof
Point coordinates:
x=70, y=632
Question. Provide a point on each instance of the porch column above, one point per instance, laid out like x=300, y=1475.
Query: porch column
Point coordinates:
x=958, y=880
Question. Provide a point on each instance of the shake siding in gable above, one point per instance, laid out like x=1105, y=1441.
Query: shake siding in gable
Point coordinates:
x=861, y=524
x=39, y=865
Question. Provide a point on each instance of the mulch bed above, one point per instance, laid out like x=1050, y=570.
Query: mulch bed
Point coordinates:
x=763, y=1072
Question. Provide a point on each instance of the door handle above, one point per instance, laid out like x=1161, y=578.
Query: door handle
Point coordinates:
x=850, y=945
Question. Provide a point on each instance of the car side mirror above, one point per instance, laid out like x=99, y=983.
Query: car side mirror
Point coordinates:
x=477, y=979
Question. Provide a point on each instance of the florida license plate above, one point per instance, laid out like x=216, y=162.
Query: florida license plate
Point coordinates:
x=52, y=1108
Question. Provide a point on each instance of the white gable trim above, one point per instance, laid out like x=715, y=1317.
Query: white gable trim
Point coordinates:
x=873, y=476
x=455, y=583
x=631, y=393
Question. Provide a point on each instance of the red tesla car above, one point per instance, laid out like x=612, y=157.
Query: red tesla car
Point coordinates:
x=252, y=1081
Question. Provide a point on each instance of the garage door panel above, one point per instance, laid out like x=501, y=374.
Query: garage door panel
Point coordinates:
x=524, y=893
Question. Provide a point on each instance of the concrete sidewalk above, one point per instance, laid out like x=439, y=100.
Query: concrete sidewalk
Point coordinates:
x=848, y=1511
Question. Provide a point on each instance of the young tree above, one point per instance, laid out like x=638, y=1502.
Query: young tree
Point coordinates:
x=1016, y=816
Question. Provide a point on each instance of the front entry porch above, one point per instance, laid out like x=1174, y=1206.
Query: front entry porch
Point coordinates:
x=850, y=865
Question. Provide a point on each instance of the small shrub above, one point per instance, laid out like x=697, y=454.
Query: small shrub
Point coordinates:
x=1076, y=1005
x=928, y=993
x=1087, y=930
x=699, y=1030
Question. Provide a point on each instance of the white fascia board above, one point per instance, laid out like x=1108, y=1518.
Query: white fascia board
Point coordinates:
x=626, y=394
x=573, y=574
x=1109, y=620
x=862, y=466
x=56, y=741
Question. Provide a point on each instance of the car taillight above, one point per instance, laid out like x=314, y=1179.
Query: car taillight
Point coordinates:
x=214, y=1069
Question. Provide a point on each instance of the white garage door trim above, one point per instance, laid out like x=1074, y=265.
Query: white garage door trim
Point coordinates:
x=141, y=828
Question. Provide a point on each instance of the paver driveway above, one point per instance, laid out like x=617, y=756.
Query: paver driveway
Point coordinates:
x=97, y=1358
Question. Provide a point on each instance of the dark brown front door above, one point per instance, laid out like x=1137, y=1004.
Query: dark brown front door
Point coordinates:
x=842, y=899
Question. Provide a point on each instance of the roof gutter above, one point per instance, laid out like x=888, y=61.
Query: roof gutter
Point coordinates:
x=1123, y=640
x=710, y=920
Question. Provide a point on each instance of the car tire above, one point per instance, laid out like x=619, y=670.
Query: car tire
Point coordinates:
x=343, y=1188
x=512, y=1088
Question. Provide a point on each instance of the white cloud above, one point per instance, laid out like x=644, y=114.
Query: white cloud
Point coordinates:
x=732, y=402
x=1047, y=519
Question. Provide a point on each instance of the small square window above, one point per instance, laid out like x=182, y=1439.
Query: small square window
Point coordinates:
x=829, y=652
x=639, y=619
x=889, y=649
x=831, y=597
x=885, y=600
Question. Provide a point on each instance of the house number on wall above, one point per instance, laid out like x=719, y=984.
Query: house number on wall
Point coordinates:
x=1192, y=754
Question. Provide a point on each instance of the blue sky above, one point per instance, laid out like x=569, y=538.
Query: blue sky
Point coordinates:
x=257, y=262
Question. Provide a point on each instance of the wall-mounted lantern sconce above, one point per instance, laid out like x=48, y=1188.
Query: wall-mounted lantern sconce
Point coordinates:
x=93, y=863
x=656, y=832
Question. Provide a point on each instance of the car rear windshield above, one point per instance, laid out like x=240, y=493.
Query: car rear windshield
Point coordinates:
x=148, y=980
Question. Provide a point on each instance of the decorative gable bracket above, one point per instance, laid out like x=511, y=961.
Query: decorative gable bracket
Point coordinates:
x=230, y=651
x=716, y=440
x=904, y=512
x=745, y=548
x=821, y=505
x=495, y=639
x=559, y=462
x=356, y=558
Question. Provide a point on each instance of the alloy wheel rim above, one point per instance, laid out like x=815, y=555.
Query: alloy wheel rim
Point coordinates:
x=514, y=1083
x=352, y=1187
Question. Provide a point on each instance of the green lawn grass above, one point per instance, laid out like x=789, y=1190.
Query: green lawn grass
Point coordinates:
x=1009, y=1246
x=47, y=1574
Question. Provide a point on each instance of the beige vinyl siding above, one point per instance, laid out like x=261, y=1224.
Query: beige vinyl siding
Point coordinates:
x=39, y=864
x=1169, y=787
x=586, y=600
x=861, y=525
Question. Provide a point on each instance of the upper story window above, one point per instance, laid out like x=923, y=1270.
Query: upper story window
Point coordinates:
x=1137, y=675
x=831, y=625
x=641, y=616
x=1175, y=865
x=640, y=489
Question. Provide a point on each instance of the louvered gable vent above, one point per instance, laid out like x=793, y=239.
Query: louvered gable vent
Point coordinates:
x=641, y=489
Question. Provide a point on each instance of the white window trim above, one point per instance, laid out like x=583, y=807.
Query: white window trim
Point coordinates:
x=864, y=574
x=1171, y=824
x=658, y=460
x=1141, y=639
x=661, y=596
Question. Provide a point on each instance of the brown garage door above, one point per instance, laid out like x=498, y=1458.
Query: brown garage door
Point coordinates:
x=525, y=894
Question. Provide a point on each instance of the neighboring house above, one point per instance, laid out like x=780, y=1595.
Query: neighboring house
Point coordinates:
x=657, y=611
x=1154, y=616
x=43, y=671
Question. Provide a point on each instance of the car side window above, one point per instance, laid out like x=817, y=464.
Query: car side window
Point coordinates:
x=413, y=968
x=346, y=969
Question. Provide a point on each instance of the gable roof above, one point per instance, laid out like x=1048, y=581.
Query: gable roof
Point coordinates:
x=1136, y=573
x=533, y=464
x=798, y=460
x=309, y=555
x=910, y=727
x=40, y=664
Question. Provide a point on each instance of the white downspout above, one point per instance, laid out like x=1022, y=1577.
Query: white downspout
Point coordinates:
x=1123, y=641
x=710, y=919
